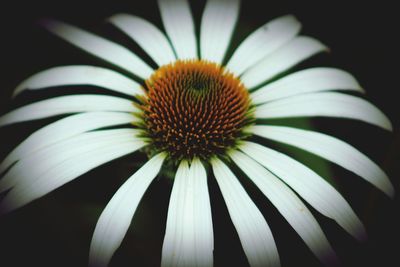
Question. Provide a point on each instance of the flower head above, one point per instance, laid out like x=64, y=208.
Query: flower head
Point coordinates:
x=198, y=113
x=194, y=109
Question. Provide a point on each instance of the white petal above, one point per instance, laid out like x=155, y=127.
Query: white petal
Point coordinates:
x=263, y=42
x=116, y=218
x=26, y=191
x=65, y=105
x=309, y=185
x=332, y=149
x=172, y=240
x=289, y=55
x=324, y=104
x=306, y=81
x=148, y=36
x=65, y=169
x=42, y=160
x=289, y=205
x=64, y=129
x=254, y=233
x=189, y=239
x=100, y=47
x=179, y=25
x=80, y=75
x=217, y=25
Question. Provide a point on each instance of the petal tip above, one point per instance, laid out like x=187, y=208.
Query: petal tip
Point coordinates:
x=358, y=231
x=54, y=26
x=390, y=191
x=362, y=236
x=16, y=92
x=325, y=48
x=5, y=208
x=385, y=123
x=48, y=23
x=290, y=17
x=390, y=126
x=361, y=89
x=114, y=18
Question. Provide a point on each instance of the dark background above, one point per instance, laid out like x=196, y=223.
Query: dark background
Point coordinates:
x=56, y=230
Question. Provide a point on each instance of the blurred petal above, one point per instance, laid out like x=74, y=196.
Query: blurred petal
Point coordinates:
x=332, y=149
x=80, y=75
x=254, y=233
x=100, y=47
x=217, y=26
x=66, y=105
x=289, y=205
x=263, y=42
x=40, y=161
x=52, y=167
x=64, y=129
x=189, y=239
x=179, y=25
x=325, y=104
x=289, y=55
x=116, y=218
x=309, y=185
x=306, y=81
x=148, y=36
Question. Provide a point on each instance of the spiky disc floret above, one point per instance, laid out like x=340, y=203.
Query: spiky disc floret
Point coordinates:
x=194, y=108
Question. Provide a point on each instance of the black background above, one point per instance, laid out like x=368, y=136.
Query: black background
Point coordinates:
x=56, y=230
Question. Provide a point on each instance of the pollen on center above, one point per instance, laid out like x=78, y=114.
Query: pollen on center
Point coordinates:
x=194, y=108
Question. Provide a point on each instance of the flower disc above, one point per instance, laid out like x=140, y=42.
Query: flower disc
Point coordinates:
x=194, y=108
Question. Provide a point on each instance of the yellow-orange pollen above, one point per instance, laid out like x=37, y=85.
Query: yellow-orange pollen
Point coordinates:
x=194, y=108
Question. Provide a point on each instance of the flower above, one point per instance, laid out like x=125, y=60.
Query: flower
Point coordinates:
x=190, y=114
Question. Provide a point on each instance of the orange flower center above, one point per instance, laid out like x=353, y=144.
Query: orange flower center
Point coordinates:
x=194, y=108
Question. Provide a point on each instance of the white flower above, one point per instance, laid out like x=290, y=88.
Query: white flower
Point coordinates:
x=193, y=113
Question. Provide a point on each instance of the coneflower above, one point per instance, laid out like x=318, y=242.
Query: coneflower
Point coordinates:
x=199, y=117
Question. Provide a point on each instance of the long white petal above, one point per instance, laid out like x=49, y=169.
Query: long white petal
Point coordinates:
x=332, y=149
x=179, y=25
x=100, y=47
x=116, y=218
x=204, y=234
x=80, y=75
x=173, y=236
x=148, y=36
x=309, y=185
x=44, y=159
x=306, y=81
x=263, y=42
x=189, y=239
x=217, y=26
x=289, y=205
x=254, y=233
x=27, y=191
x=289, y=55
x=66, y=105
x=66, y=170
x=64, y=129
x=324, y=104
